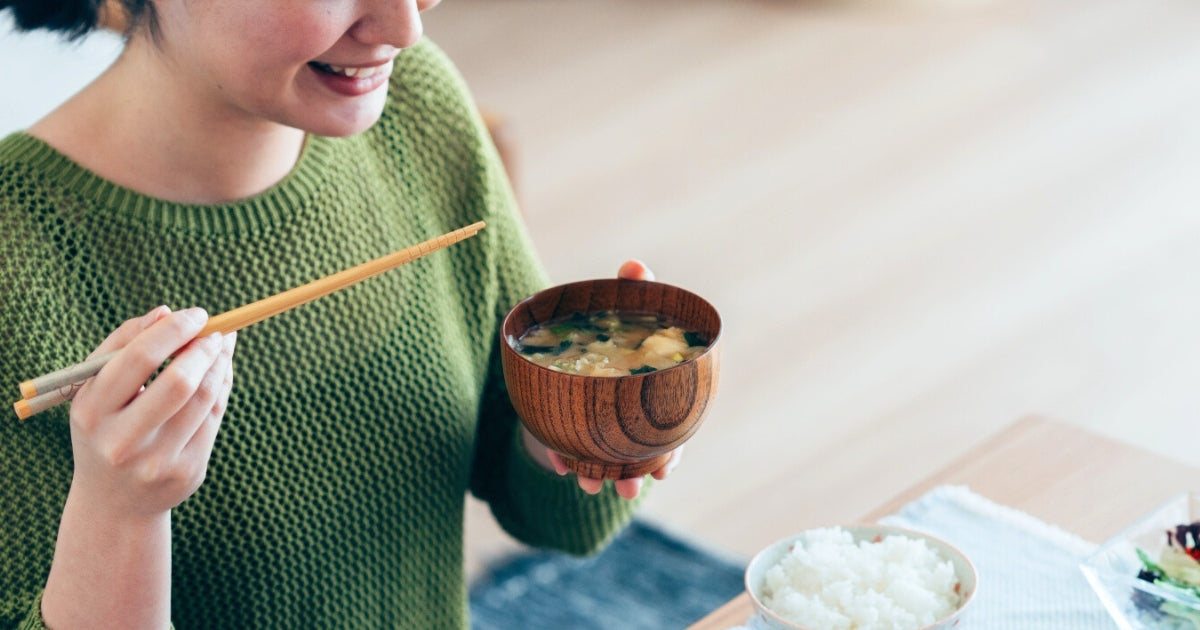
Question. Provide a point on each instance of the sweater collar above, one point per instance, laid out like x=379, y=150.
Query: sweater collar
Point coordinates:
x=276, y=205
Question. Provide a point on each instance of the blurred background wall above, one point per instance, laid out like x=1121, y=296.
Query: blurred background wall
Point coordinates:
x=920, y=220
x=39, y=71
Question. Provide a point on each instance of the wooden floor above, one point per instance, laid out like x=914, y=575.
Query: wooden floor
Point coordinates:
x=921, y=220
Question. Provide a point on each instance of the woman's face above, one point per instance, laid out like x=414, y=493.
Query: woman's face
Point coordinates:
x=317, y=65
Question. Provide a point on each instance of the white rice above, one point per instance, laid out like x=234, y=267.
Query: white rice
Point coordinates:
x=827, y=582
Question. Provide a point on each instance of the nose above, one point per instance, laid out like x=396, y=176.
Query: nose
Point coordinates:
x=391, y=22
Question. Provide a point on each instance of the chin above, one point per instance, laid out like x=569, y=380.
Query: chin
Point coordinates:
x=342, y=128
x=344, y=122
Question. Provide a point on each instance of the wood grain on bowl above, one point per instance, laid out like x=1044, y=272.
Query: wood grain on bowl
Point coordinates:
x=613, y=427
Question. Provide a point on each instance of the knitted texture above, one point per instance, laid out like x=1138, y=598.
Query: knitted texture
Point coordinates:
x=357, y=423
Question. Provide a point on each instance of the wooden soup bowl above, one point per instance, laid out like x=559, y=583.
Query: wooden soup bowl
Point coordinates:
x=609, y=427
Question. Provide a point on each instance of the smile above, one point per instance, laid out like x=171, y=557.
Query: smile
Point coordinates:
x=344, y=71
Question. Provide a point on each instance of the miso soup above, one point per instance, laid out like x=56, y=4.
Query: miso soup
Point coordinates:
x=609, y=343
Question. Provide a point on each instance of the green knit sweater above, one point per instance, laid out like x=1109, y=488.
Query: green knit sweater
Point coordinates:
x=357, y=423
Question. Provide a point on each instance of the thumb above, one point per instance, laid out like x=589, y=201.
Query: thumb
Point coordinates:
x=635, y=270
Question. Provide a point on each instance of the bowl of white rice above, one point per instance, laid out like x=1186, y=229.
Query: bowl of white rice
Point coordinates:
x=862, y=577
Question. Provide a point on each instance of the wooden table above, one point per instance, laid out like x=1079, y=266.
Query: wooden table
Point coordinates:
x=1085, y=483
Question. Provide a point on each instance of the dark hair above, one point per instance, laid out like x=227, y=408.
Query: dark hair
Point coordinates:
x=76, y=18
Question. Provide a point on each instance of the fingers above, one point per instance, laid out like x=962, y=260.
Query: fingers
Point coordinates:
x=635, y=270
x=591, y=486
x=153, y=453
x=125, y=333
x=628, y=488
x=199, y=448
x=189, y=385
x=557, y=462
x=179, y=433
x=662, y=473
x=146, y=352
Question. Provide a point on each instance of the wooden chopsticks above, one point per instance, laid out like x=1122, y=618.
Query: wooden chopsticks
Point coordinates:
x=46, y=391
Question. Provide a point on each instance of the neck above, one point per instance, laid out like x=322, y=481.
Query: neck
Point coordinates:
x=159, y=138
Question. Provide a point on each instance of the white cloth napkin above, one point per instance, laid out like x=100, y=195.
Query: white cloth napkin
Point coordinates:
x=1029, y=577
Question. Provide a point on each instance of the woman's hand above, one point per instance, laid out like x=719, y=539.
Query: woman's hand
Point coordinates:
x=628, y=488
x=139, y=449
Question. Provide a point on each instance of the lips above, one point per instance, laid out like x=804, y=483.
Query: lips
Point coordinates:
x=351, y=81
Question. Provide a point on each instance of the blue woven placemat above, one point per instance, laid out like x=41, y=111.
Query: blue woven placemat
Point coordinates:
x=647, y=578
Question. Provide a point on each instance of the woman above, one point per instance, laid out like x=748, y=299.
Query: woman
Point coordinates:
x=235, y=149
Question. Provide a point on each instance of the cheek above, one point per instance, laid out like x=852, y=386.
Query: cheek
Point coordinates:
x=290, y=38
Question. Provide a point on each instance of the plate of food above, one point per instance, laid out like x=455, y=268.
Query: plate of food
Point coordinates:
x=1148, y=576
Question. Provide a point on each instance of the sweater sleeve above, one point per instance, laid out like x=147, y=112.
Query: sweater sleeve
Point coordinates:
x=535, y=505
x=497, y=268
x=44, y=315
x=35, y=463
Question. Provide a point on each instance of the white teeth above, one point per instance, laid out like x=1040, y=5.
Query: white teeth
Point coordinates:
x=355, y=73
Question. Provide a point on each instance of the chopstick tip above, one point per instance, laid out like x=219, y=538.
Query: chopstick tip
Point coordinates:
x=28, y=389
x=24, y=411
